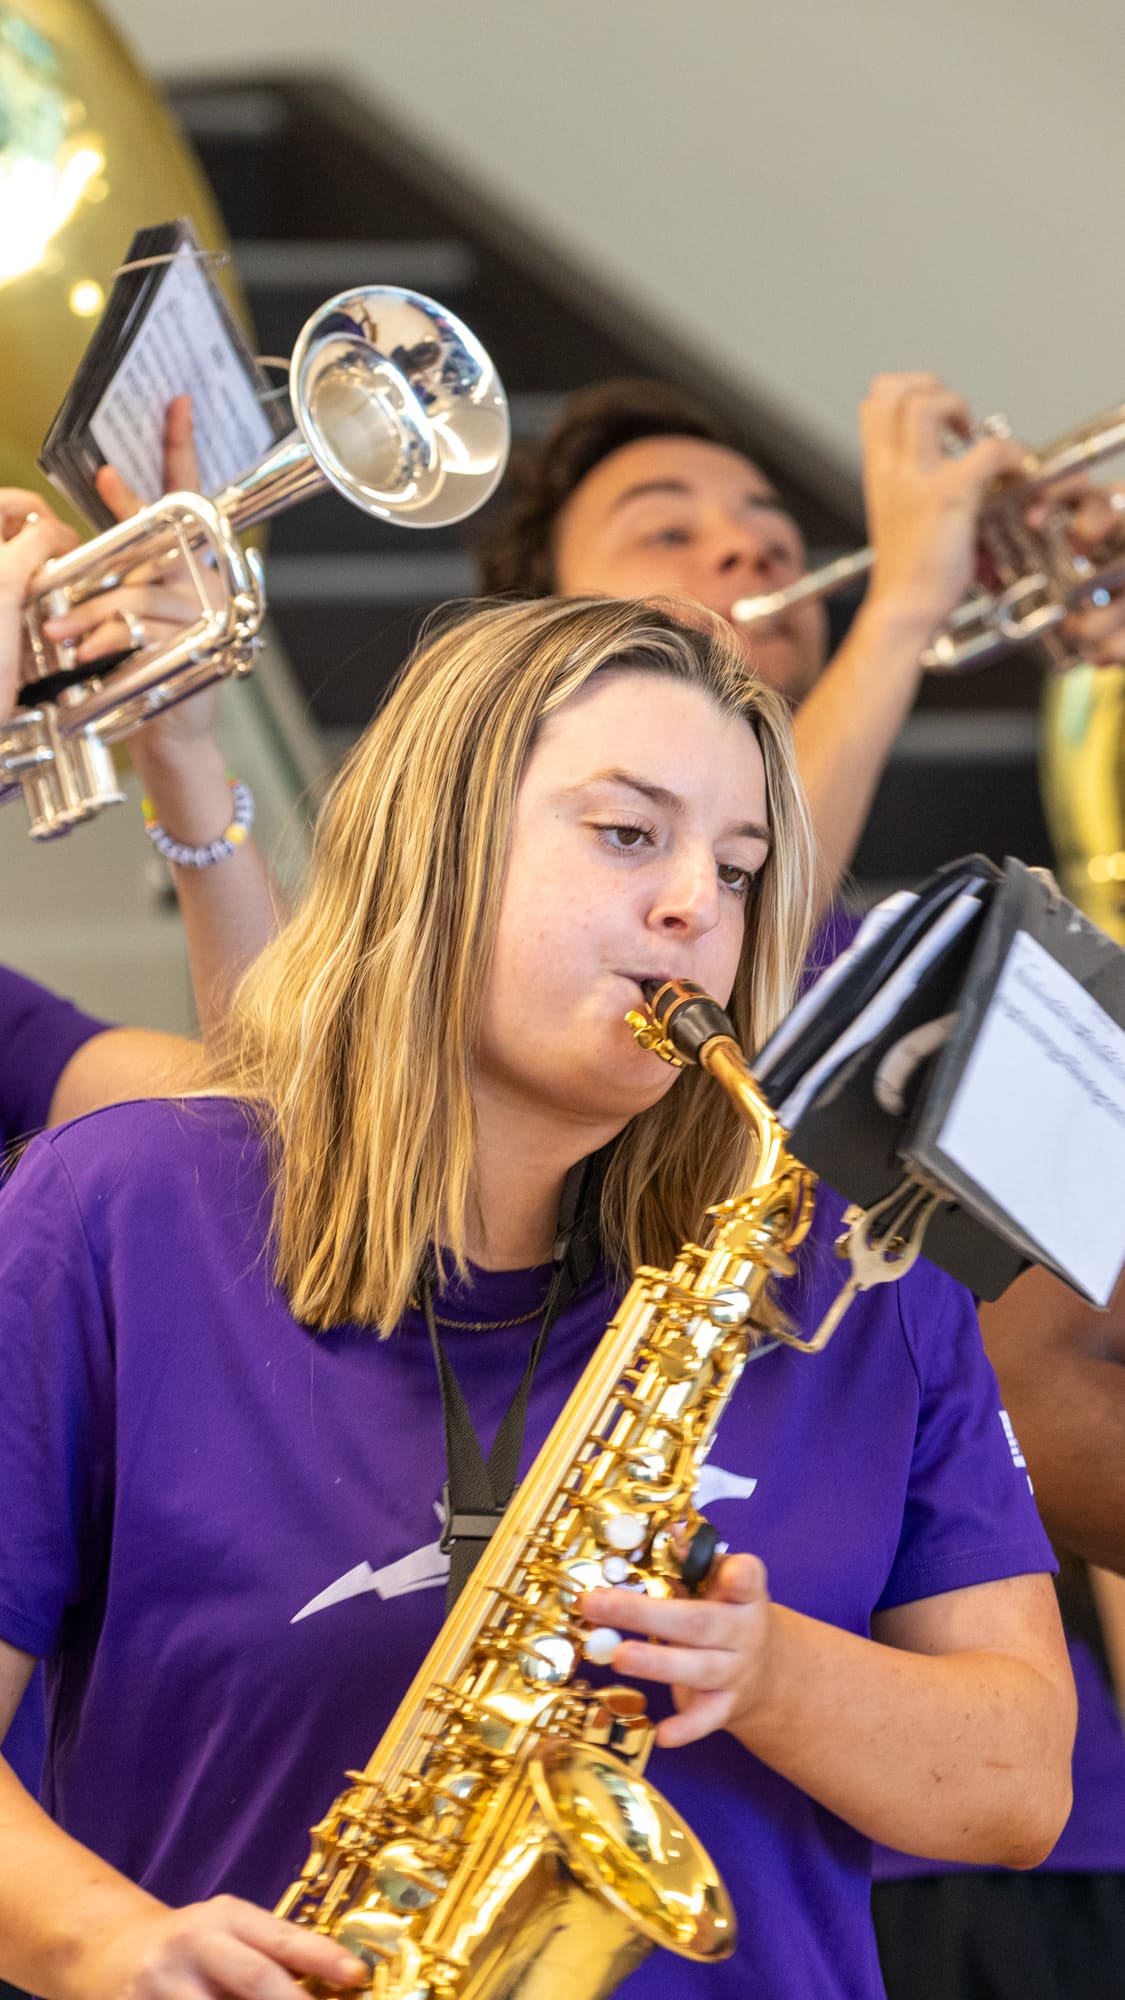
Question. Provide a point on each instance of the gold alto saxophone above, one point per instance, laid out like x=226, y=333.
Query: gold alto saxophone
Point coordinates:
x=502, y=1843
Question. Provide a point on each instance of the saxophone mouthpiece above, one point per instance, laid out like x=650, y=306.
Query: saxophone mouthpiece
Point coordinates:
x=687, y=1017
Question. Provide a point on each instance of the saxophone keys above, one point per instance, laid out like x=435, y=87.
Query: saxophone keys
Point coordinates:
x=577, y=1577
x=600, y=1644
x=623, y=1533
x=647, y=1464
x=677, y=1358
x=730, y=1306
x=616, y=1570
x=546, y=1659
x=383, y=1942
x=621, y=1722
x=403, y=1878
x=455, y=1797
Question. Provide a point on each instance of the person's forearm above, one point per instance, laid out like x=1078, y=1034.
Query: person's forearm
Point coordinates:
x=1061, y=1365
x=1070, y=1421
x=963, y=1756
x=230, y=910
x=846, y=728
x=56, y=1898
x=125, y=1063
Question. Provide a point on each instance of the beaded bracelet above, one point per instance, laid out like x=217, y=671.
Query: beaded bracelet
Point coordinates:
x=232, y=836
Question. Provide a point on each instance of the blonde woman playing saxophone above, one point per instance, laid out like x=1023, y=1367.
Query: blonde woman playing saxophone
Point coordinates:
x=221, y=1439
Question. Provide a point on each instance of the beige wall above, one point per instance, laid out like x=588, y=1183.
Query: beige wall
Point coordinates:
x=818, y=190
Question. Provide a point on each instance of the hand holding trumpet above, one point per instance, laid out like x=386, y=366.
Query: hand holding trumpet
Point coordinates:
x=924, y=504
x=927, y=511
x=155, y=601
x=30, y=534
x=1050, y=559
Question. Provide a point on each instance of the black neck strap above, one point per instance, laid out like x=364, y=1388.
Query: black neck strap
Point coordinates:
x=477, y=1489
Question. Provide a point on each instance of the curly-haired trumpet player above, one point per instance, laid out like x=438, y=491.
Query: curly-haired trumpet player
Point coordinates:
x=221, y=1439
x=637, y=489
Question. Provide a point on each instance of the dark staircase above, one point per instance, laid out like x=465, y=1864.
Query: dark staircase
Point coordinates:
x=320, y=193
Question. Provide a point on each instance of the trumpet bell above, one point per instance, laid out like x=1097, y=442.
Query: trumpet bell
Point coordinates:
x=400, y=407
x=396, y=405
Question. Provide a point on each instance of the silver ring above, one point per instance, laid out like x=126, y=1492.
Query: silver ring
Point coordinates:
x=1117, y=501
x=135, y=628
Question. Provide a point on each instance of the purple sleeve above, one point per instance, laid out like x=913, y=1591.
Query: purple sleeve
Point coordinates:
x=969, y=1515
x=56, y=1412
x=833, y=935
x=39, y=1033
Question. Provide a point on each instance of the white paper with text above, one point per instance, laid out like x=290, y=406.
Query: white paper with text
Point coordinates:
x=891, y=997
x=1038, y=1117
x=182, y=347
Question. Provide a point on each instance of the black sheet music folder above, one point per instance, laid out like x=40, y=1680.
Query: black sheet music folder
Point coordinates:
x=971, y=1041
x=236, y=414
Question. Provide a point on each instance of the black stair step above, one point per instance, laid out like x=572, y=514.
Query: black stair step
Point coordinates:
x=420, y=574
x=957, y=784
x=346, y=656
x=440, y=266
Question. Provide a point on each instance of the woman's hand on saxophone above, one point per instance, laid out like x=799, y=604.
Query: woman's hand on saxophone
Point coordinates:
x=711, y=1650
x=222, y=1947
x=97, y=1936
x=931, y=1735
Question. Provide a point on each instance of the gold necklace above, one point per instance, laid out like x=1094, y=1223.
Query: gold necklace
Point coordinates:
x=481, y=1325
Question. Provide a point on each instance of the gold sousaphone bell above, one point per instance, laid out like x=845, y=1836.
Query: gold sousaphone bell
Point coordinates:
x=396, y=405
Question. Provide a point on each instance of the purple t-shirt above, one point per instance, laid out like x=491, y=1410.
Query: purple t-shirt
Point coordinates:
x=270, y=1499
x=39, y=1032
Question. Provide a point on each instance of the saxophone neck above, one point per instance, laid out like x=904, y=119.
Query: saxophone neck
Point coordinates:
x=724, y=1059
x=683, y=1026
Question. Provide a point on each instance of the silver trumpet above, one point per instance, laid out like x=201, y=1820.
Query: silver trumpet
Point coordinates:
x=396, y=406
x=1041, y=578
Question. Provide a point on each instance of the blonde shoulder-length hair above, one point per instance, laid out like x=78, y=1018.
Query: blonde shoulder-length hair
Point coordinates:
x=353, y=1035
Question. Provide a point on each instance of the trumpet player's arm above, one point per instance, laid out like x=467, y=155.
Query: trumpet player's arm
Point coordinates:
x=73, y=1928
x=923, y=508
x=1061, y=1364
x=124, y=1063
x=947, y=1734
x=57, y=1062
x=232, y=909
